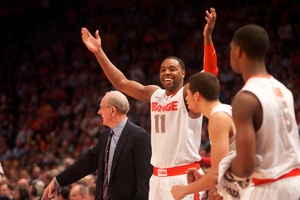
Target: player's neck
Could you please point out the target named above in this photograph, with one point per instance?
(208, 106)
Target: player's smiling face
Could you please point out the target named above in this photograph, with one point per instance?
(171, 75)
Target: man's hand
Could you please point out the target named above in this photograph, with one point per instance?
(51, 190)
(178, 192)
(91, 42)
(192, 175)
(210, 22)
(209, 27)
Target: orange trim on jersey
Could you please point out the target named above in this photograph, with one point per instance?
(172, 95)
(173, 171)
(294, 172)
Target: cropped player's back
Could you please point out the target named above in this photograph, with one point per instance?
(277, 140)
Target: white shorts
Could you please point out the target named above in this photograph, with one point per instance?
(287, 188)
(160, 187)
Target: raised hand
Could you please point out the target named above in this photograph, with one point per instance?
(91, 42)
(210, 18)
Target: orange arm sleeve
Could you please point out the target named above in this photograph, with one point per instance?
(210, 60)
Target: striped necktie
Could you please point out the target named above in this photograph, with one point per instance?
(105, 179)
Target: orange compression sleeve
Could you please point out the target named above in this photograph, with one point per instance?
(210, 60)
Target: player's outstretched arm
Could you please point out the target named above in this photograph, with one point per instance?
(115, 76)
(210, 56)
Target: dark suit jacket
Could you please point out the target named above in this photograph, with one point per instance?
(131, 168)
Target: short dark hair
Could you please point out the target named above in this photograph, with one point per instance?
(253, 40)
(181, 63)
(206, 84)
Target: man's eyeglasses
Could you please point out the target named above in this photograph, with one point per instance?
(104, 107)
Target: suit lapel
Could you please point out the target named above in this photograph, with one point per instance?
(102, 145)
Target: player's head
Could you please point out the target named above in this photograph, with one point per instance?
(202, 85)
(252, 40)
(172, 73)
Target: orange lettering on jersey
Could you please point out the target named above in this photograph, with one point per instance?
(278, 92)
(172, 106)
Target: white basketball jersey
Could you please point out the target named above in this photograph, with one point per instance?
(277, 140)
(175, 137)
(226, 109)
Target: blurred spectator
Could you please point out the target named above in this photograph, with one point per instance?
(5, 152)
(23, 182)
(90, 179)
(78, 192)
(36, 172)
(36, 189)
(21, 193)
(63, 193)
(19, 148)
(91, 192)
(6, 190)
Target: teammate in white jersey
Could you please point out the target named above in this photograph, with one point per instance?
(175, 131)
(203, 91)
(267, 139)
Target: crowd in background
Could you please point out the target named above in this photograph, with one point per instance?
(51, 85)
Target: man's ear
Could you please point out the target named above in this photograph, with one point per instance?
(183, 73)
(239, 51)
(197, 96)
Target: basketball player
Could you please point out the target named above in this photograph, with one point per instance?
(175, 131)
(203, 97)
(267, 139)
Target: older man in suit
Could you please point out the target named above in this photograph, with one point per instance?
(129, 167)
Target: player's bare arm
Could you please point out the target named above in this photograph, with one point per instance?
(115, 76)
(244, 107)
(219, 128)
(210, 57)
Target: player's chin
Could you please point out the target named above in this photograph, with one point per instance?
(168, 86)
(190, 108)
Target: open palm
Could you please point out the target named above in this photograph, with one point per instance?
(91, 42)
